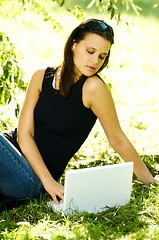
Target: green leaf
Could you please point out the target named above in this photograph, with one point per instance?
(91, 4)
(112, 13)
(61, 2)
(17, 110)
(156, 5)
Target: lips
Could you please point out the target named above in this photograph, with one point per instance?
(91, 68)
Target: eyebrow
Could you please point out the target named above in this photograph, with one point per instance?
(96, 49)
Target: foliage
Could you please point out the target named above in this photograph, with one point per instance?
(110, 6)
(40, 8)
(156, 4)
(78, 8)
(131, 75)
(10, 73)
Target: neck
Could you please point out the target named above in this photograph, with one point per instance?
(77, 75)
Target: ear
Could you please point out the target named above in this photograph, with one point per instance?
(73, 45)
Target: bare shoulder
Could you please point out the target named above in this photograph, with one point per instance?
(95, 84)
(37, 78)
(39, 74)
(95, 90)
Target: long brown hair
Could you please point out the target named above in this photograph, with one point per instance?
(67, 69)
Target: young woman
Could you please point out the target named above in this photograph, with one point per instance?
(59, 111)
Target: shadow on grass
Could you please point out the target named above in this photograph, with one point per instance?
(111, 224)
(114, 223)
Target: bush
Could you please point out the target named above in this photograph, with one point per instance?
(10, 73)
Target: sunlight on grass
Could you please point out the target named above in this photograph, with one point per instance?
(137, 220)
(133, 74)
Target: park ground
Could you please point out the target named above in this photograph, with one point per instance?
(133, 79)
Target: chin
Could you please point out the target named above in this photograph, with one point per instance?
(88, 75)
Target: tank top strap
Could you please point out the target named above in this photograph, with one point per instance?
(48, 77)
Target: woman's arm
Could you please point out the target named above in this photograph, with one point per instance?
(97, 96)
(26, 137)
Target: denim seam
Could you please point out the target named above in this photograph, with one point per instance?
(16, 162)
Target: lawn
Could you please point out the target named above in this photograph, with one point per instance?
(133, 78)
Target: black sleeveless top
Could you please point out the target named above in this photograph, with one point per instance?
(61, 124)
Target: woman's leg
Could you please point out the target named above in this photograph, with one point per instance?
(17, 179)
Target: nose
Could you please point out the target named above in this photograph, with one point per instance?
(95, 59)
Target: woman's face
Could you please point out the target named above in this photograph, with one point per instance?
(89, 54)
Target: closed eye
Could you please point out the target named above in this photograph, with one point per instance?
(101, 57)
(90, 52)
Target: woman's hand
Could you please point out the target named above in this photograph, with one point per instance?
(54, 189)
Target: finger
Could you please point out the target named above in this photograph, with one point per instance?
(62, 191)
(61, 195)
(55, 199)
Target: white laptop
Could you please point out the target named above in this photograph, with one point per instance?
(96, 189)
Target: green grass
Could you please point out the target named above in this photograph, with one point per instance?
(136, 220)
(133, 74)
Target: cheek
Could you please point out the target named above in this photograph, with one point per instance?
(76, 55)
(101, 65)
(78, 58)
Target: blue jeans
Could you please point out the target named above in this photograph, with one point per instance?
(17, 179)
